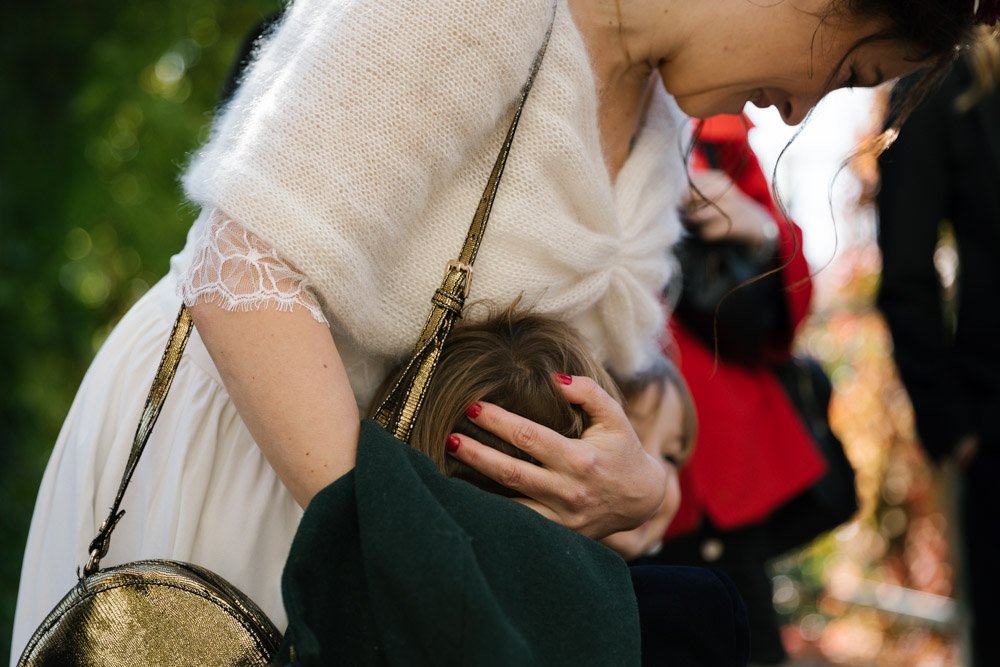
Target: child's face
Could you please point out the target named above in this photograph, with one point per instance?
(657, 415)
(658, 419)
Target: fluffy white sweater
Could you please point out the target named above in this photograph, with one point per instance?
(361, 138)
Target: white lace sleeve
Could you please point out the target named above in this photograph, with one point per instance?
(236, 270)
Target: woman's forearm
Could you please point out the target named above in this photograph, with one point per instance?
(287, 381)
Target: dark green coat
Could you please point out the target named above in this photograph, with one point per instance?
(396, 564)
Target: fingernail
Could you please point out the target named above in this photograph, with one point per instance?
(562, 378)
(453, 443)
(473, 410)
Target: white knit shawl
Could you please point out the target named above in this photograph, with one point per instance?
(360, 141)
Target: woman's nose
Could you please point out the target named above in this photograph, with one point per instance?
(794, 111)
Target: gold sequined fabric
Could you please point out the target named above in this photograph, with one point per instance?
(153, 612)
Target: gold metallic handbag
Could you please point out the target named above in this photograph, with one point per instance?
(151, 612)
(172, 614)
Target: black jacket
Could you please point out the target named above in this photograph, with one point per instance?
(945, 166)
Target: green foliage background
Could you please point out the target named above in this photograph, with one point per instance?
(100, 103)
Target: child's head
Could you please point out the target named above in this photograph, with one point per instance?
(509, 359)
(661, 410)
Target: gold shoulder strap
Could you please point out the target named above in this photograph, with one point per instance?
(150, 412)
(399, 410)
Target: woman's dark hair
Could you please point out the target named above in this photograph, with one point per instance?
(935, 31)
(245, 55)
(933, 28)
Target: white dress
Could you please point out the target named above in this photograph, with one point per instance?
(575, 244)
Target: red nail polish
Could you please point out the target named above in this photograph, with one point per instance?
(473, 410)
(563, 378)
(453, 443)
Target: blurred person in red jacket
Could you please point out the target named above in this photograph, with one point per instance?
(753, 454)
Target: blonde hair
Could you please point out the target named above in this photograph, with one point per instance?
(508, 359)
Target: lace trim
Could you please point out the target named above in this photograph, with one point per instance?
(236, 270)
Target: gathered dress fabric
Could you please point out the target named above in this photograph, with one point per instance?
(341, 177)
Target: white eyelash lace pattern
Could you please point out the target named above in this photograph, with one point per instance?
(236, 270)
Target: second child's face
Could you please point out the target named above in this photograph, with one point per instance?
(657, 415)
(658, 419)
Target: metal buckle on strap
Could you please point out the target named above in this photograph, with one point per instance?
(461, 267)
(93, 564)
(99, 545)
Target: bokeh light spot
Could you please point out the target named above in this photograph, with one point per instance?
(78, 244)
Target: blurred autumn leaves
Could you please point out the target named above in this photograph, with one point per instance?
(878, 591)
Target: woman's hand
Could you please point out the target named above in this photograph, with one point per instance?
(601, 484)
(647, 538)
(638, 542)
(720, 211)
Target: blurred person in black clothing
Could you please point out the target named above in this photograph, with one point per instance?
(945, 169)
